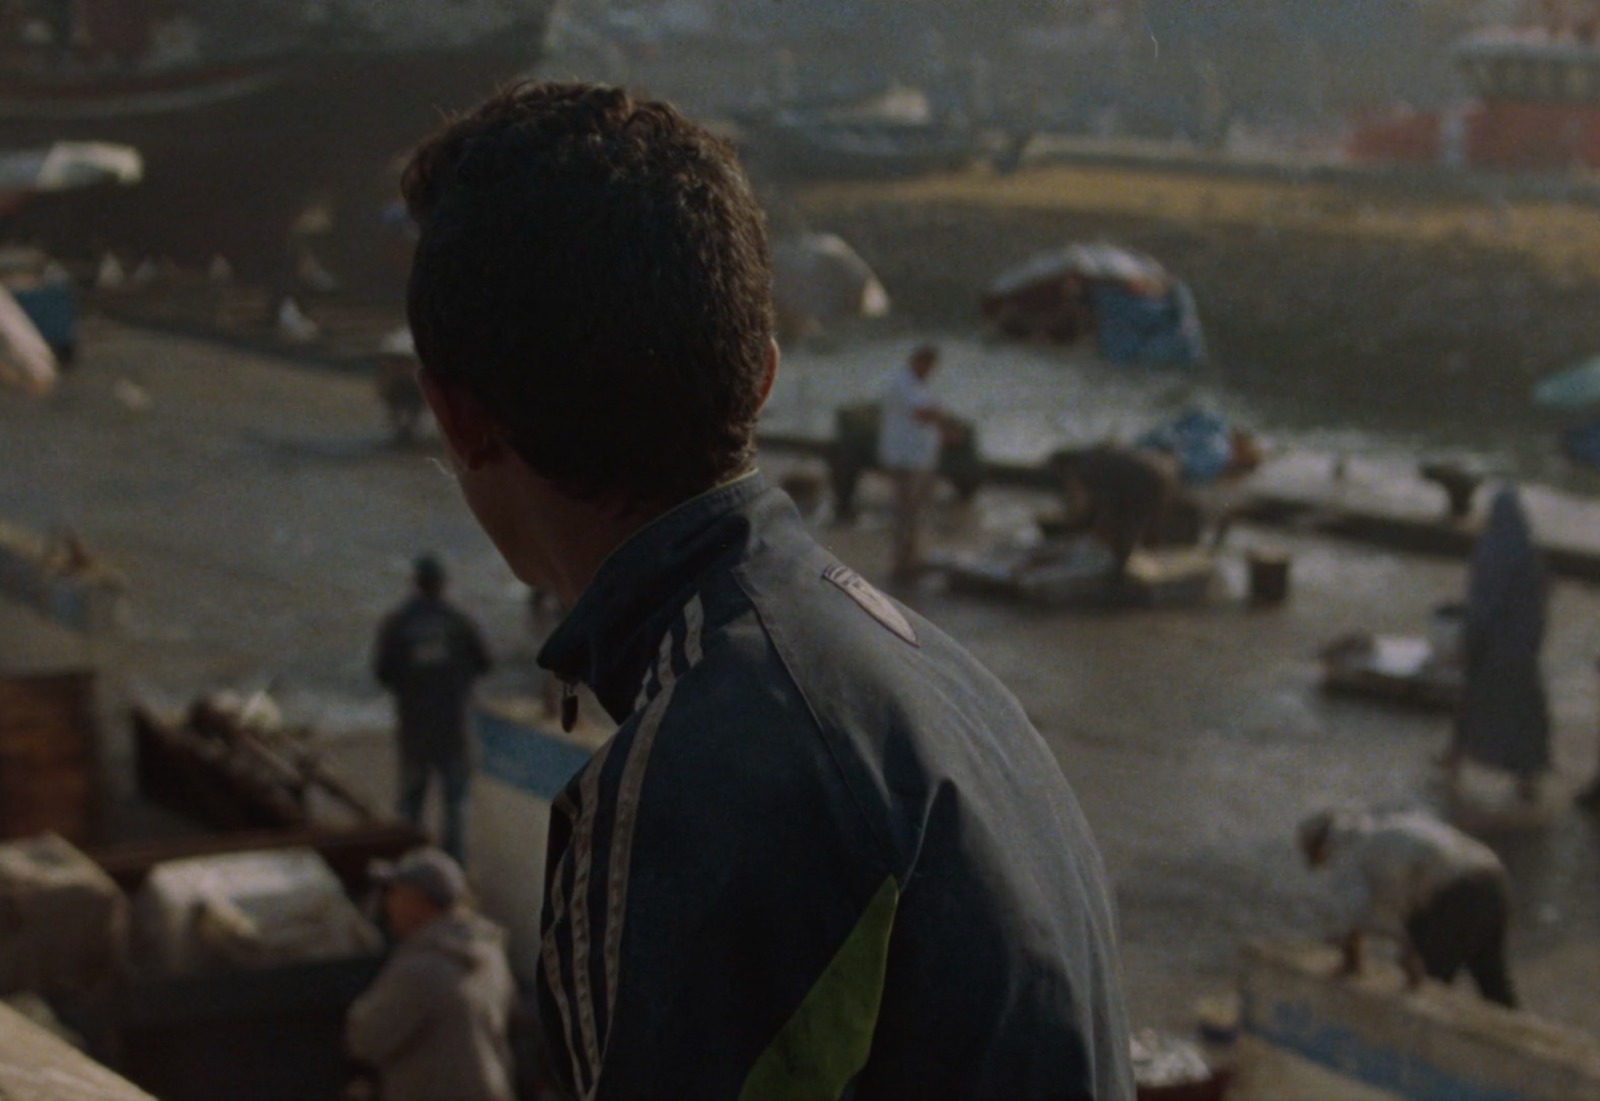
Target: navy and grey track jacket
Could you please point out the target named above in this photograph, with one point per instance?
(825, 855)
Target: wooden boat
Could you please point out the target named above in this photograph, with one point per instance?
(241, 132)
(819, 148)
(217, 768)
(1077, 572)
(891, 134)
(68, 94)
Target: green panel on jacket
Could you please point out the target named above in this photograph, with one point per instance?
(826, 1043)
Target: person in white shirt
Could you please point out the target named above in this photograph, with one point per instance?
(1444, 896)
(909, 437)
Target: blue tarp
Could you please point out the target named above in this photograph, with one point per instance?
(1153, 329)
(1202, 442)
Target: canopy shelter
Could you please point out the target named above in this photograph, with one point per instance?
(1136, 311)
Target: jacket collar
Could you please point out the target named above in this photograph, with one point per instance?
(611, 636)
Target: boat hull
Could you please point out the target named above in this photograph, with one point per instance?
(230, 162)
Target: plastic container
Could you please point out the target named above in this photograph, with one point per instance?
(246, 910)
(1269, 575)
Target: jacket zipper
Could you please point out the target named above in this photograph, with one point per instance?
(569, 705)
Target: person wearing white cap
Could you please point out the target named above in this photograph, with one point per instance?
(434, 1023)
(1443, 896)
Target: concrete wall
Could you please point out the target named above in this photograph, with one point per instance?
(1434, 1044)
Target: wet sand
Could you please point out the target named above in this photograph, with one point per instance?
(264, 522)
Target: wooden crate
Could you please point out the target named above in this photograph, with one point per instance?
(48, 754)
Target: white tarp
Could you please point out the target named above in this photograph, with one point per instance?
(70, 164)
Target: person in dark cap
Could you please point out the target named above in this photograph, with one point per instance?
(1443, 896)
(434, 1023)
(428, 654)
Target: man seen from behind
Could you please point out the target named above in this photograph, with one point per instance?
(428, 654)
(824, 854)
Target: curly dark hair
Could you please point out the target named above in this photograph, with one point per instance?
(594, 269)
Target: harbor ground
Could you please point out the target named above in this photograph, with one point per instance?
(263, 521)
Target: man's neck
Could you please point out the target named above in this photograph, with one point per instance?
(592, 553)
(606, 529)
(583, 536)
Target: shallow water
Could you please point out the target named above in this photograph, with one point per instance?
(1030, 399)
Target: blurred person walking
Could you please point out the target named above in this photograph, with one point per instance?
(1504, 721)
(910, 434)
(1443, 896)
(435, 1022)
(428, 654)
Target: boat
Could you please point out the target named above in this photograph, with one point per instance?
(889, 135)
(811, 148)
(226, 766)
(247, 112)
(1538, 99)
(1533, 105)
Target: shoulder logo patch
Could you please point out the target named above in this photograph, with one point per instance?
(874, 603)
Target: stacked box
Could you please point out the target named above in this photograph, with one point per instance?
(47, 754)
(63, 921)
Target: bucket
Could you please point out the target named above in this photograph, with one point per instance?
(1269, 576)
(1447, 629)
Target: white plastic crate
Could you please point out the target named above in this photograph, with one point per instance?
(243, 910)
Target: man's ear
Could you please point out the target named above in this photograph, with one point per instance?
(771, 376)
(468, 429)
